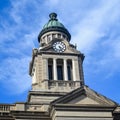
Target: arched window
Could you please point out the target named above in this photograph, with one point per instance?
(60, 69)
(69, 69)
(48, 38)
(59, 35)
(53, 36)
(50, 69)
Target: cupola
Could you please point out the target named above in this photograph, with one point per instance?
(53, 29)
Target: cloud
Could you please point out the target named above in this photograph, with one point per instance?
(18, 38)
(13, 75)
(97, 35)
(94, 26)
(18, 35)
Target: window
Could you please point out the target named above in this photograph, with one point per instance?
(60, 69)
(60, 72)
(48, 38)
(59, 35)
(69, 69)
(50, 72)
(64, 37)
(53, 35)
(50, 69)
(43, 38)
(69, 72)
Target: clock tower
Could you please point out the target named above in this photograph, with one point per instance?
(58, 90)
(56, 65)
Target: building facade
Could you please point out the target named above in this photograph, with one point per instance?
(58, 89)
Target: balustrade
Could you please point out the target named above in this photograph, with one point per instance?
(5, 107)
(67, 84)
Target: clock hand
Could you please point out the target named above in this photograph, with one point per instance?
(60, 47)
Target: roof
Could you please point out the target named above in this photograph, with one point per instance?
(53, 25)
(53, 22)
(84, 96)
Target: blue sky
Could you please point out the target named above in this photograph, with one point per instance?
(94, 25)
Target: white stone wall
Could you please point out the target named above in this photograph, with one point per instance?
(82, 115)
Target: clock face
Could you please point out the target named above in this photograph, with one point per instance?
(59, 46)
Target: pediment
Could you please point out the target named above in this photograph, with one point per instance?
(84, 96)
(83, 99)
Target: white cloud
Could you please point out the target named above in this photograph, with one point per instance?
(116, 48)
(90, 35)
(89, 21)
(17, 40)
(13, 75)
(95, 24)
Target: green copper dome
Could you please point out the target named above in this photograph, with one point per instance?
(53, 22)
(53, 25)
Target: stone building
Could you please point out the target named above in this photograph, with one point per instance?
(58, 89)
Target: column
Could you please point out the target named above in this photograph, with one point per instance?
(74, 72)
(65, 70)
(54, 69)
(46, 39)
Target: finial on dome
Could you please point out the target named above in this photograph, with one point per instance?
(53, 16)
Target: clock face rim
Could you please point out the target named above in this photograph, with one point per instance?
(59, 46)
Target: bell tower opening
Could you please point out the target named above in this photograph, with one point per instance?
(69, 69)
(60, 69)
(50, 69)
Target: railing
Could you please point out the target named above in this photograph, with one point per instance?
(66, 84)
(5, 107)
